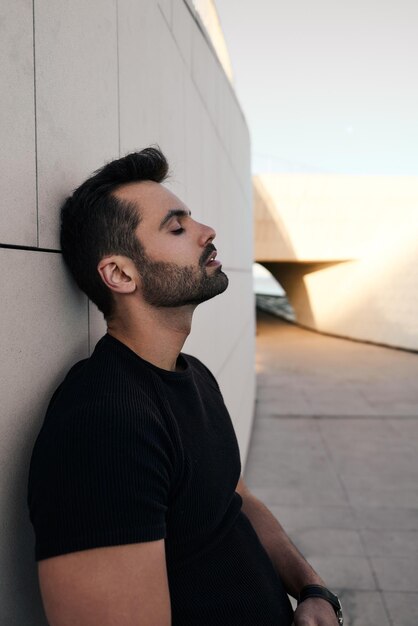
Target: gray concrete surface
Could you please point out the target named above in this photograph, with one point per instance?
(85, 82)
(334, 454)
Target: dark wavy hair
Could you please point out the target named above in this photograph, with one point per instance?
(95, 223)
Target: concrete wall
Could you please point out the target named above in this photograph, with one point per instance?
(345, 250)
(82, 83)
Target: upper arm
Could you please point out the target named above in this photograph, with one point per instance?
(125, 585)
(99, 479)
(242, 488)
(248, 498)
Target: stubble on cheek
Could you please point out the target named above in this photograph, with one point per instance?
(169, 285)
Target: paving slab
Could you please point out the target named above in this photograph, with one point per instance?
(364, 608)
(391, 543)
(402, 608)
(348, 572)
(396, 573)
(303, 517)
(315, 542)
(385, 518)
(334, 454)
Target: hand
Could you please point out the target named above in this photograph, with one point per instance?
(315, 612)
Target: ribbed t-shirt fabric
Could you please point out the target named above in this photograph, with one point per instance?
(129, 452)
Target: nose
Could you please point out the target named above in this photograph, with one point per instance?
(207, 235)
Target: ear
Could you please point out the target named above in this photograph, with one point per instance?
(118, 274)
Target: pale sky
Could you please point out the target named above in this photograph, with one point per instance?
(326, 85)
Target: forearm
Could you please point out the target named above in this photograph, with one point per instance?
(290, 565)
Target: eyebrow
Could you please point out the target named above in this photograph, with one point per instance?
(174, 213)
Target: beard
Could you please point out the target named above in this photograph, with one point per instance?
(170, 285)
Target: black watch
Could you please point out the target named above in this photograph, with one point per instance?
(317, 591)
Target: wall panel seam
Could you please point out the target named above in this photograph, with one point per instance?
(235, 345)
(118, 70)
(164, 17)
(11, 246)
(35, 125)
(202, 99)
(206, 37)
(221, 142)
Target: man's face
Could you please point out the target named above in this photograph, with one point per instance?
(177, 265)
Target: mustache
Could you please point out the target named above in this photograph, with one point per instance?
(210, 249)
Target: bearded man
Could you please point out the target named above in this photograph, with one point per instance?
(140, 514)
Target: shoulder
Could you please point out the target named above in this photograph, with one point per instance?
(104, 398)
(201, 370)
(110, 378)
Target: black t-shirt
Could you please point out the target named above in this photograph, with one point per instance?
(129, 452)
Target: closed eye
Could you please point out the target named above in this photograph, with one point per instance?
(178, 231)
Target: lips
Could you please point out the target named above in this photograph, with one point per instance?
(207, 255)
(212, 257)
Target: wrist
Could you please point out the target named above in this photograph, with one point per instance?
(319, 591)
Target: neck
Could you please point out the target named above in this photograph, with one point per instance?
(157, 335)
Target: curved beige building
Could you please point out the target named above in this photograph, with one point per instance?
(345, 250)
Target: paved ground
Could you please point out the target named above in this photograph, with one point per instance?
(334, 454)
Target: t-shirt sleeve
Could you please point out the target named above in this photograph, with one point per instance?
(100, 479)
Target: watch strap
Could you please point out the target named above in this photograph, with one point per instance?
(318, 591)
